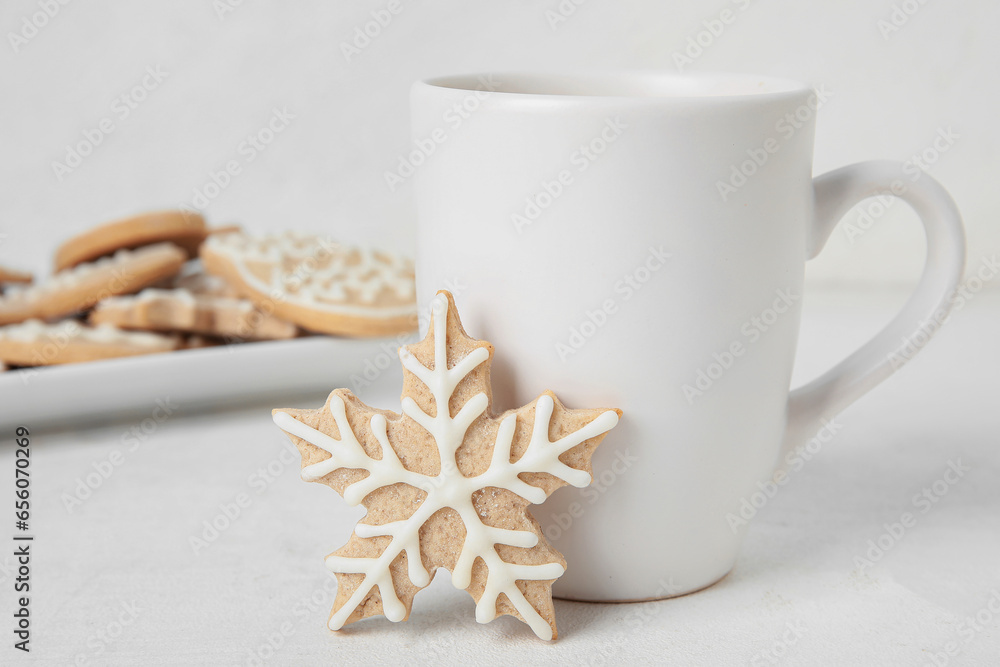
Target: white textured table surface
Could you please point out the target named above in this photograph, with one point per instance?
(116, 581)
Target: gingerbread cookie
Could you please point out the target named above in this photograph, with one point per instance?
(8, 276)
(196, 342)
(34, 343)
(447, 483)
(320, 285)
(181, 310)
(76, 289)
(194, 279)
(182, 228)
(225, 229)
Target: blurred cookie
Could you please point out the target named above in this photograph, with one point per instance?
(318, 284)
(196, 341)
(192, 277)
(34, 343)
(14, 276)
(182, 228)
(225, 229)
(181, 310)
(79, 288)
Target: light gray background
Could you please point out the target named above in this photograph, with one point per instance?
(228, 69)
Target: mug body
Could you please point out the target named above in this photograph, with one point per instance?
(632, 241)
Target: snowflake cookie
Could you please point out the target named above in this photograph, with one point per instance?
(447, 483)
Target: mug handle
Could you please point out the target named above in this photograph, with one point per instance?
(836, 192)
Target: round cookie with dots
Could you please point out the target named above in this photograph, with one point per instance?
(318, 284)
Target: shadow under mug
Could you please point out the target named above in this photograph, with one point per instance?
(639, 241)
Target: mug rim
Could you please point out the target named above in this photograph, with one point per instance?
(635, 85)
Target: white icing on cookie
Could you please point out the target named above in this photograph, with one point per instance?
(69, 279)
(449, 488)
(181, 297)
(316, 273)
(193, 279)
(36, 331)
(180, 310)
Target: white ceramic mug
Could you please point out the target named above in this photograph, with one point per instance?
(639, 241)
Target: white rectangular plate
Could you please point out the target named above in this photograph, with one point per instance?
(194, 380)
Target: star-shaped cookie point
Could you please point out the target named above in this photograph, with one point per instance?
(446, 483)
